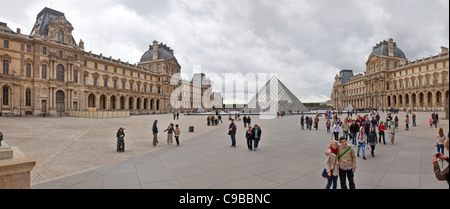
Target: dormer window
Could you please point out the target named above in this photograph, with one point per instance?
(61, 36)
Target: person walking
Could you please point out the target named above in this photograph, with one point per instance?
(169, 134)
(316, 122)
(177, 134)
(392, 130)
(155, 134)
(232, 132)
(249, 120)
(244, 119)
(302, 122)
(256, 131)
(120, 140)
(328, 124)
(354, 128)
(336, 130)
(249, 137)
(407, 122)
(345, 128)
(330, 165)
(396, 123)
(362, 138)
(372, 140)
(414, 120)
(381, 129)
(441, 139)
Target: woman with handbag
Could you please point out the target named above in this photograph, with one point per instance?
(330, 165)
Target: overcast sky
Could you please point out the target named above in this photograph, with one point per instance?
(306, 42)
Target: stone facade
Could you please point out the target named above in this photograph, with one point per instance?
(48, 72)
(390, 80)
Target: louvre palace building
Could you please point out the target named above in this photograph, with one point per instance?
(49, 72)
(392, 81)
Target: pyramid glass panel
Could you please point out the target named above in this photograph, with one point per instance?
(274, 97)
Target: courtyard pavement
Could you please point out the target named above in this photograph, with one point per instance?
(287, 158)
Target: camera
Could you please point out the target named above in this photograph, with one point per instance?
(437, 155)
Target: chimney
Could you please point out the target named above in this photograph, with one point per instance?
(444, 49)
(155, 50)
(391, 47)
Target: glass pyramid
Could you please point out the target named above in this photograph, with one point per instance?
(275, 97)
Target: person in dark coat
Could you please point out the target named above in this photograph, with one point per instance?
(302, 122)
(372, 140)
(249, 137)
(256, 132)
(155, 133)
(120, 140)
(232, 132)
(245, 121)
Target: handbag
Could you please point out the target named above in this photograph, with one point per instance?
(325, 173)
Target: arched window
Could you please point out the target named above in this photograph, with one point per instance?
(28, 97)
(60, 73)
(61, 36)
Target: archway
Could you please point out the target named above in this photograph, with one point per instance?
(112, 103)
(91, 100)
(157, 104)
(130, 103)
(122, 103)
(103, 102)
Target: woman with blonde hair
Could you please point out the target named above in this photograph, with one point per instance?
(331, 165)
(441, 140)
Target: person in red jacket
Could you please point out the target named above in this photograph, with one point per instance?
(381, 129)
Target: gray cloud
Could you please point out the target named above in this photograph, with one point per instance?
(306, 42)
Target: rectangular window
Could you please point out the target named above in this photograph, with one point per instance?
(28, 48)
(75, 76)
(105, 82)
(444, 64)
(5, 66)
(95, 65)
(106, 67)
(44, 72)
(44, 50)
(28, 70)
(115, 69)
(95, 80)
(123, 84)
(115, 84)
(6, 44)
